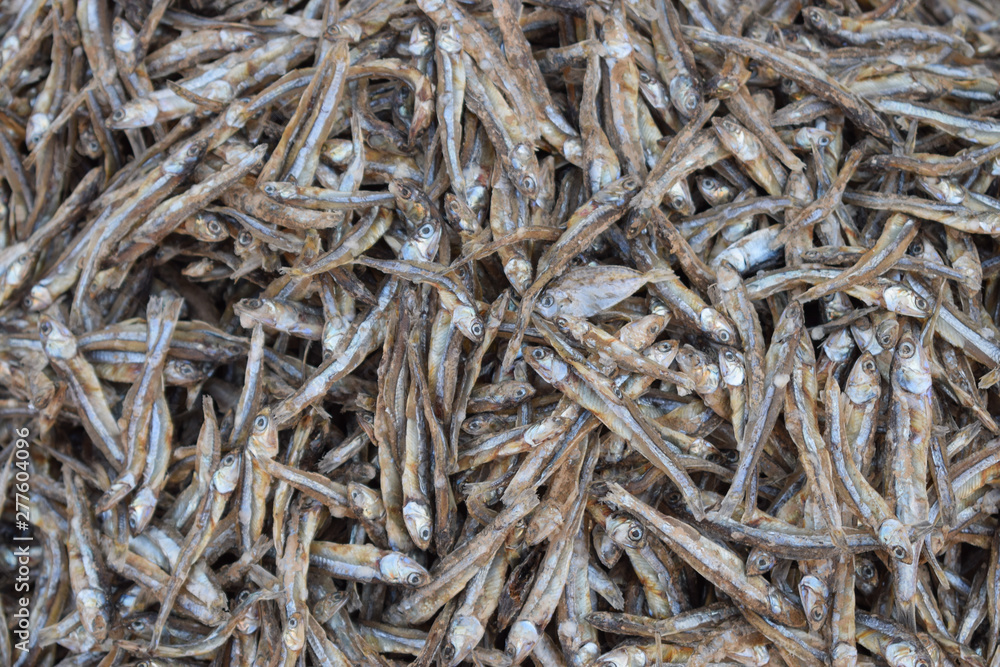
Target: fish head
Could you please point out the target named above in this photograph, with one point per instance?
(366, 501)
(760, 562)
(866, 577)
(228, 475)
(521, 640)
(864, 384)
(623, 656)
(864, 335)
(547, 305)
(468, 322)
(814, 594)
(944, 190)
(756, 655)
(397, 568)
(713, 190)
(732, 367)
(93, 607)
(664, 352)
(140, 112)
(892, 535)
(417, 519)
(887, 333)
(902, 653)
(294, 635)
(545, 362)
(17, 271)
(911, 367)
(34, 131)
(684, 94)
(626, 531)
(449, 39)
(140, 510)
(238, 40)
(263, 439)
(250, 621)
(839, 345)
(904, 301)
(821, 19)
(57, 340)
(464, 634)
(207, 227)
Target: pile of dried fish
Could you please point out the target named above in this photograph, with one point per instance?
(576, 333)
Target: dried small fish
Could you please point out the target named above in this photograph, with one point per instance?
(585, 334)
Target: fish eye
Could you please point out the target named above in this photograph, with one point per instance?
(293, 622)
(254, 303)
(867, 571)
(635, 533)
(270, 189)
(448, 651)
(724, 336)
(229, 460)
(521, 392)
(630, 183)
(917, 248)
(899, 552)
(906, 350)
(763, 562)
(817, 614)
(22, 259)
(885, 339)
(869, 366)
(547, 301)
(45, 328)
(405, 192)
(214, 227)
(643, 77)
(118, 115)
(691, 103)
(728, 354)
(562, 323)
(426, 231)
(920, 303)
(425, 533)
(528, 183)
(260, 423)
(732, 456)
(137, 625)
(476, 329)
(413, 579)
(617, 392)
(538, 353)
(244, 594)
(674, 497)
(823, 140)
(829, 297)
(245, 238)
